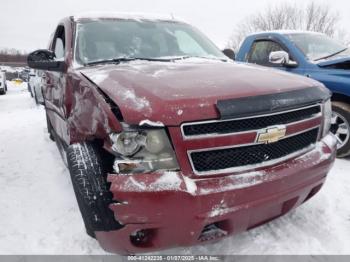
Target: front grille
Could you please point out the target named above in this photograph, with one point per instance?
(220, 159)
(241, 125)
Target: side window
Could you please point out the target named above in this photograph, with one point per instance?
(260, 51)
(59, 43)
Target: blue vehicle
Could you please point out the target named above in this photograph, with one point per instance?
(312, 55)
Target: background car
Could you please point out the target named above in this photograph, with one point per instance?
(3, 86)
(17, 81)
(35, 86)
(31, 79)
(24, 74)
(313, 55)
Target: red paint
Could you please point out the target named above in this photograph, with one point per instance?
(174, 214)
(184, 92)
(191, 87)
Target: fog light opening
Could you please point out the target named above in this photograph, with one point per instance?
(313, 192)
(211, 232)
(142, 238)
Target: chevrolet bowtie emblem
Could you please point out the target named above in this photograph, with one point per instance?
(271, 134)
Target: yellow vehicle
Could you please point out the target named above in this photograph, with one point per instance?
(17, 81)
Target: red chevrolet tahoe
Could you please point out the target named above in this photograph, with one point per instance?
(169, 142)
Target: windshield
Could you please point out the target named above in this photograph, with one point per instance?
(114, 39)
(317, 46)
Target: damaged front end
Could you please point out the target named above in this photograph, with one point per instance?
(165, 209)
(161, 202)
(142, 150)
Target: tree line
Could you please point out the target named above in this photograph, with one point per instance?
(310, 16)
(13, 56)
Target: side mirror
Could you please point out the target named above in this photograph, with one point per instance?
(281, 58)
(45, 60)
(229, 53)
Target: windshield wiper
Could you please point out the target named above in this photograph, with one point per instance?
(328, 56)
(125, 59)
(165, 59)
(202, 57)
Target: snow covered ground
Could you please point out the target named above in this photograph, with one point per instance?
(39, 213)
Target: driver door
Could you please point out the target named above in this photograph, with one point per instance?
(54, 83)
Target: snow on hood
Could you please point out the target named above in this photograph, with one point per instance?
(175, 92)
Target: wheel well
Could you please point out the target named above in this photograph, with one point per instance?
(341, 98)
(106, 157)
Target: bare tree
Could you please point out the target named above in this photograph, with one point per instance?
(310, 17)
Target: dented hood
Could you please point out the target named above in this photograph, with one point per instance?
(177, 92)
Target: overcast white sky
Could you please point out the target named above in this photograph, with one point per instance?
(27, 24)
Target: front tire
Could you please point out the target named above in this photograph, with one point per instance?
(341, 127)
(88, 175)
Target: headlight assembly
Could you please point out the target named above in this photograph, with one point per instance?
(327, 117)
(143, 151)
(127, 143)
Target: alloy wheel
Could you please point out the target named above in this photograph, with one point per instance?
(340, 128)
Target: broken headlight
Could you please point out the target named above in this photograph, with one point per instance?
(127, 143)
(143, 151)
(327, 117)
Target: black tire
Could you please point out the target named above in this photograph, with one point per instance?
(342, 110)
(88, 175)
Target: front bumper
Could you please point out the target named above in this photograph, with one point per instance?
(174, 210)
